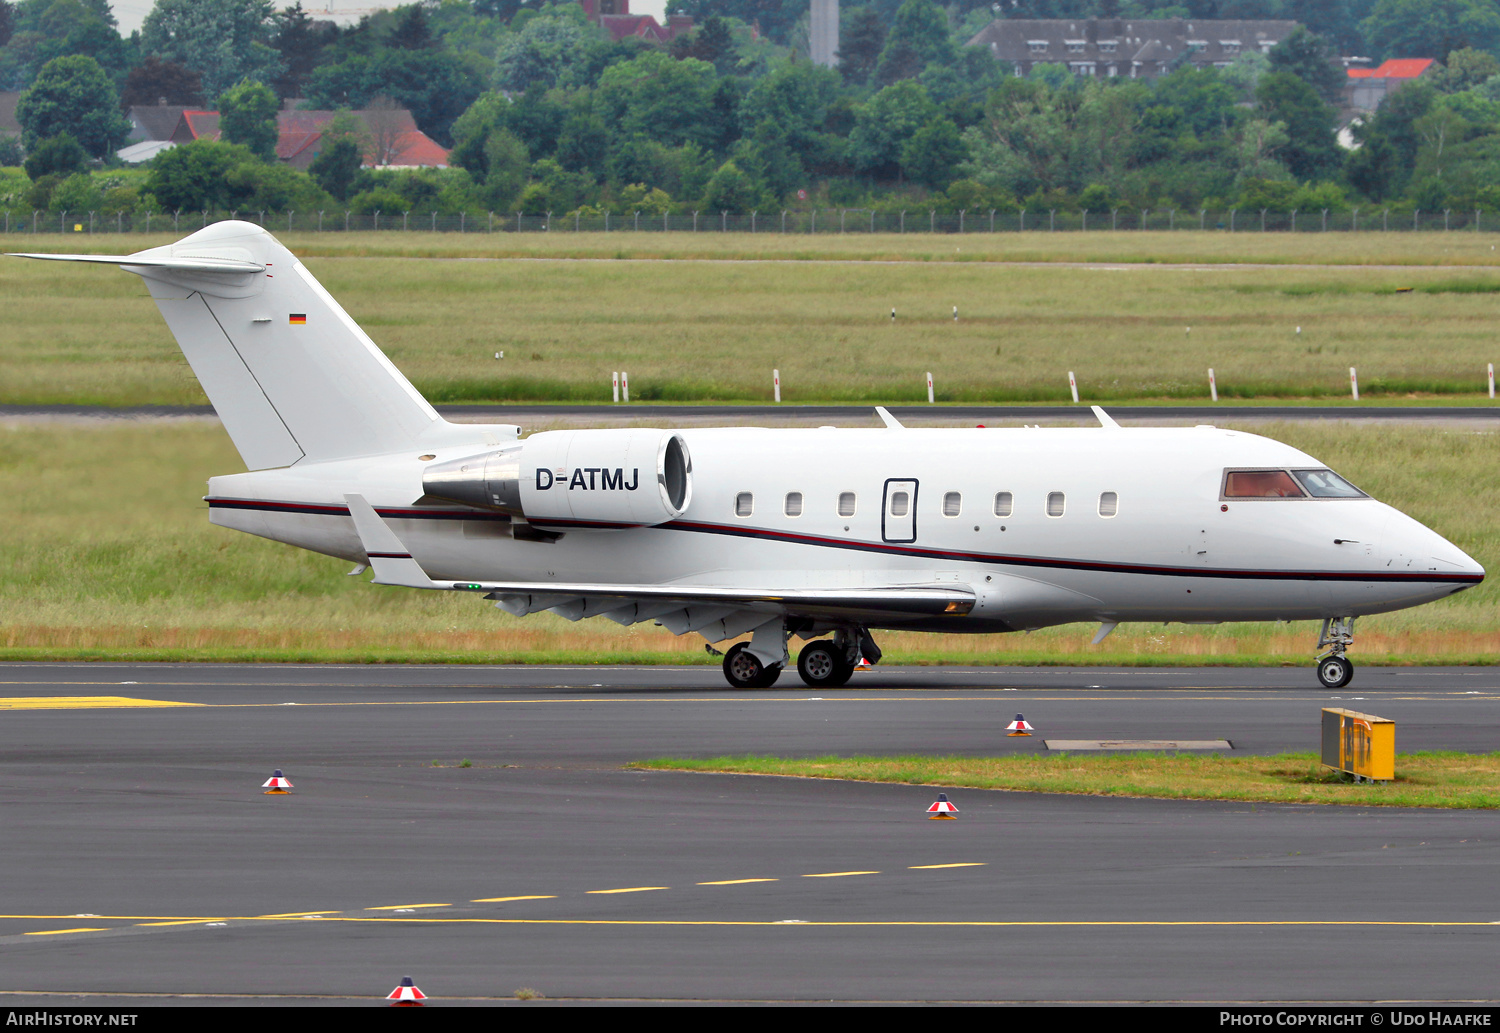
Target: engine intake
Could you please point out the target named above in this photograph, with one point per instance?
(601, 478)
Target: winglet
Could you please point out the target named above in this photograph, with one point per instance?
(891, 423)
(388, 555)
(1105, 420)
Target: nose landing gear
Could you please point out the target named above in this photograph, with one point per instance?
(1334, 668)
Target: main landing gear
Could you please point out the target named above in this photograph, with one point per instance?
(744, 670)
(1334, 668)
(830, 663)
(826, 663)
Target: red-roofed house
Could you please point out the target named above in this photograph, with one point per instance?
(393, 139)
(1368, 87)
(615, 17)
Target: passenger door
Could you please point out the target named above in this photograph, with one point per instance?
(898, 514)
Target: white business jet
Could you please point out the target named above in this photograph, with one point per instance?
(819, 534)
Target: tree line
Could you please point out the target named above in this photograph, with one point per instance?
(545, 113)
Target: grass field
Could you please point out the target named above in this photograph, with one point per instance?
(713, 330)
(109, 554)
(1211, 247)
(1449, 780)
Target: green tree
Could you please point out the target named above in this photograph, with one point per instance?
(1381, 167)
(543, 52)
(1431, 28)
(653, 96)
(919, 37)
(1464, 70)
(1312, 149)
(731, 190)
(932, 154)
(194, 176)
(73, 95)
(1312, 59)
(583, 144)
(508, 164)
(224, 41)
(336, 166)
(861, 39)
(412, 31)
(61, 155)
(797, 97)
(247, 115)
(301, 43)
(884, 125)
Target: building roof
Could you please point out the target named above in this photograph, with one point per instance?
(1128, 46)
(154, 121)
(196, 125)
(1395, 68)
(143, 151)
(394, 132)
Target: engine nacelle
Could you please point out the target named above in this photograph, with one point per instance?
(598, 478)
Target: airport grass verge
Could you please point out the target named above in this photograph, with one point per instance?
(1447, 779)
(553, 331)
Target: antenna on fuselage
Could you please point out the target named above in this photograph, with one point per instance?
(1105, 419)
(891, 423)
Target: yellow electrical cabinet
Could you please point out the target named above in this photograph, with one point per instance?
(1361, 745)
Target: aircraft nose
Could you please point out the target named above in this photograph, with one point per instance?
(1413, 548)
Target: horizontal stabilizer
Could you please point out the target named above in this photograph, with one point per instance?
(180, 265)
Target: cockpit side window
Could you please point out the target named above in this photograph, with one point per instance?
(1260, 484)
(1325, 484)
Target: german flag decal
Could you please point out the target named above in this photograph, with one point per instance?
(297, 318)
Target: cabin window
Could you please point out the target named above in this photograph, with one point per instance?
(900, 503)
(1109, 503)
(1056, 501)
(1325, 484)
(793, 507)
(846, 503)
(1004, 503)
(744, 504)
(1260, 484)
(953, 504)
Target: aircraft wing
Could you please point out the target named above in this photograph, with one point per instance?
(716, 612)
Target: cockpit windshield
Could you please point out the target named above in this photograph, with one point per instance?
(1325, 484)
(1260, 484)
(1288, 484)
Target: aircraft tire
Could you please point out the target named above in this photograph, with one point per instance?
(1334, 672)
(744, 671)
(821, 665)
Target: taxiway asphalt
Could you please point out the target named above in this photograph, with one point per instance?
(141, 857)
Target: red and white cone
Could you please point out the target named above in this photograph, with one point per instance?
(407, 995)
(863, 665)
(942, 809)
(277, 783)
(1020, 726)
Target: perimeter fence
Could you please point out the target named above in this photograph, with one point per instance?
(804, 221)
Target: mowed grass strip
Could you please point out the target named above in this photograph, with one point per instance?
(1429, 779)
(109, 554)
(713, 331)
(1365, 248)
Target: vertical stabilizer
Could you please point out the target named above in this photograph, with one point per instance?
(290, 374)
